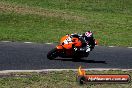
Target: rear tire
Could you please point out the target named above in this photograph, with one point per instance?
(52, 54)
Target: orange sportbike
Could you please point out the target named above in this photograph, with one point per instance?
(66, 48)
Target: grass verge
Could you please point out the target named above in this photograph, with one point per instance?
(63, 79)
(46, 21)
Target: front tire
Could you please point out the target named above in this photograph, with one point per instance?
(52, 54)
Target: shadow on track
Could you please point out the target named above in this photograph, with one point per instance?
(82, 60)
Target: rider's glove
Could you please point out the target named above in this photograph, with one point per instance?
(75, 49)
(88, 48)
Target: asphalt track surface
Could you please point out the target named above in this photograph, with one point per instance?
(21, 56)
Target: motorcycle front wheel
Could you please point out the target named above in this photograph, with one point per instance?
(52, 54)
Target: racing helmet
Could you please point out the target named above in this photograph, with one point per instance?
(89, 34)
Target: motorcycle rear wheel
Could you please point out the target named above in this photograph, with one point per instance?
(52, 54)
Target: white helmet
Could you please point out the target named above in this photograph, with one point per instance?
(88, 34)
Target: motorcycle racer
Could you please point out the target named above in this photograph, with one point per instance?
(87, 39)
(73, 46)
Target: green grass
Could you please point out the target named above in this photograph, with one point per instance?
(108, 6)
(63, 79)
(110, 20)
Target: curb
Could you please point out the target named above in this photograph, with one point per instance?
(50, 70)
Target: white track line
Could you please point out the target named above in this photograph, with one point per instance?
(5, 41)
(53, 43)
(111, 46)
(129, 47)
(48, 43)
(28, 42)
(44, 70)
